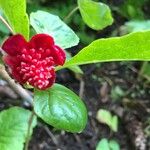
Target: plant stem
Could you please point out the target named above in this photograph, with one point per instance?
(17, 88)
(28, 131)
(71, 13)
(6, 24)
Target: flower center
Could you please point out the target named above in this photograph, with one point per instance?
(36, 67)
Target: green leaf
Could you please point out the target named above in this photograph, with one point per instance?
(105, 116)
(117, 92)
(134, 46)
(61, 108)
(14, 127)
(44, 22)
(145, 71)
(95, 14)
(75, 69)
(137, 25)
(15, 11)
(114, 145)
(103, 145)
(114, 123)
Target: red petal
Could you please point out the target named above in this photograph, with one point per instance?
(41, 41)
(59, 55)
(11, 61)
(14, 44)
(17, 77)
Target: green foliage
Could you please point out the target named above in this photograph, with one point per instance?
(104, 116)
(15, 11)
(114, 145)
(117, 93)
(44, 22)
(137, 25)
(132, 9)
(76, 68)
(14, 127)
(95, 14)
(3, 28)
(104, 144)
(62, 10)
(134, 46)
(61, 108)
(145, 71)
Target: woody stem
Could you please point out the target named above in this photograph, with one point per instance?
(17, 88)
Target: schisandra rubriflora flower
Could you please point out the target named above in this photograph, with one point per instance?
(33, 62)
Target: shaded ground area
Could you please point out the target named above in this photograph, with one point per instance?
(100, 82)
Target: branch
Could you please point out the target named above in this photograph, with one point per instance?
(17, 88)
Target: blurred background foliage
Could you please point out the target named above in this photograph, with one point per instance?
(122, 10)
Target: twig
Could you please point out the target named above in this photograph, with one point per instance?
(6, 24)
(78, 139)
(28, 131)
(51, 135)
(81, 92)
(17, 88)
(71, 13)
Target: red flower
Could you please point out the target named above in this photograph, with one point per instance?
(33, 62)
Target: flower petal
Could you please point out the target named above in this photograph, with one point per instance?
(14, 44)
(11, 61)
(59, 55)
(41, 41)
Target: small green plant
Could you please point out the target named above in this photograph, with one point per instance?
(105, 144)
(104, 116)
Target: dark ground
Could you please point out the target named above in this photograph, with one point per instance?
(133, 108)
(99, 81)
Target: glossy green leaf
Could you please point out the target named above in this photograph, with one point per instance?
(95, 14)
(61, 108)
(14, 127)
(75, 69)
(44, 22)
(15, 12)
(103, 145)
(134, 46)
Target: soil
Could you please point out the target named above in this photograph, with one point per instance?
(133, 108)
(95, 78)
